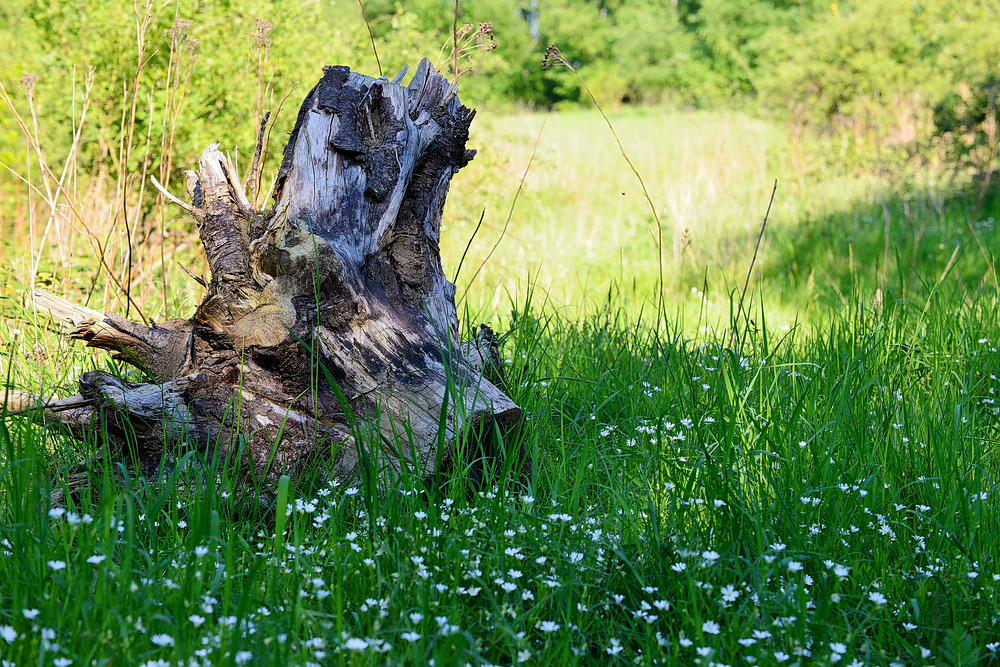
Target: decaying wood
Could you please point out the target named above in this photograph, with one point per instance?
(328, 311)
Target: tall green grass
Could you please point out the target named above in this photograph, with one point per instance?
(807, 480)
(821, 495)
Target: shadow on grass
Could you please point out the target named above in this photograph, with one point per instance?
(874, 253)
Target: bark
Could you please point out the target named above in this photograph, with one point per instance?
(328, 326)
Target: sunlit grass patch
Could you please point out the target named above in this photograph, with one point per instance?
(826, 496)
(581, 233)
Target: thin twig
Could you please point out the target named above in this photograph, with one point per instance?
(163, 191)
(267, 139)
(454, 38)
(469, 245)
(198, 279)
(47, 172)
(746, 284)
(371, 35)
(251, 183)
(991, 130)
(128, 146)
(554, 54)
(509, 215)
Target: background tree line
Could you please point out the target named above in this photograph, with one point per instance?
(899, 65)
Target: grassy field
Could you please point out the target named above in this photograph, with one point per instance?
(581, 226)
(810, 482)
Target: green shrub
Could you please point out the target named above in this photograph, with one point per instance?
(968, 121)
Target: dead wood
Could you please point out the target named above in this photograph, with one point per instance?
(328, 311)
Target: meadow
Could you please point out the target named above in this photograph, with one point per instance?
(808, 478)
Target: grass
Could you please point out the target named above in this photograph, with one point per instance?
(824, 496)
(818, 489)
(581, 227)
(585, 208)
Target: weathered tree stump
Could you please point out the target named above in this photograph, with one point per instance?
(330, 310)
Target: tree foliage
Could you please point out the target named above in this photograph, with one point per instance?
(814, 59)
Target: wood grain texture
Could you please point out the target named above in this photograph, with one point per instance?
(329, 311)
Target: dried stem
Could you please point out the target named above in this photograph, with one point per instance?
(371, 35)
(510, 213)
(49, 177)
(553, 55)
(746, 283)
(251, 183)
(184, 205)
(468, 245)
(454, 38)
(464, 42)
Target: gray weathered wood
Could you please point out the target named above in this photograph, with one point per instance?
(335, 295)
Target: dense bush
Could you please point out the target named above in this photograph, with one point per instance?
(206, 63)
(217, 64)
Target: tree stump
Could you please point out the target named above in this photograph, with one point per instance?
(329, 312)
